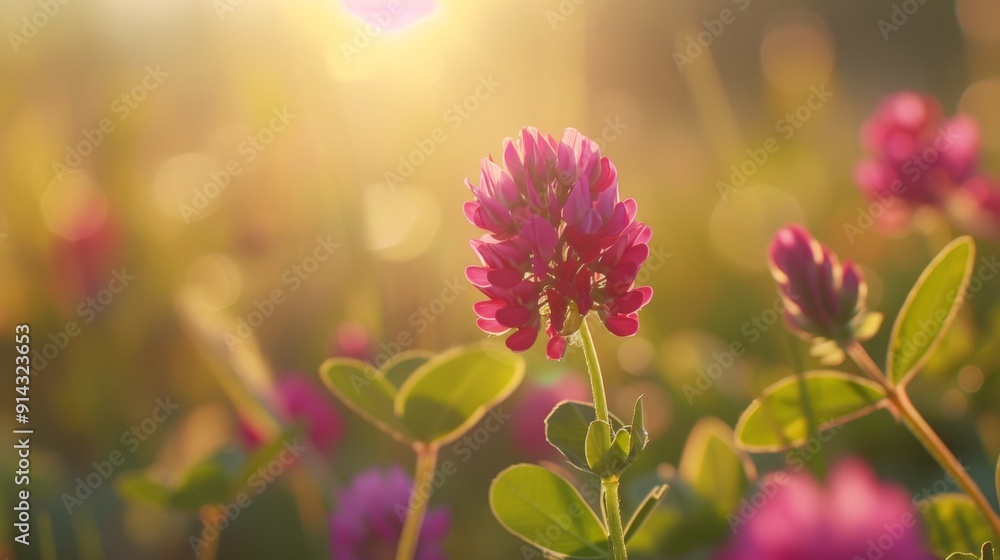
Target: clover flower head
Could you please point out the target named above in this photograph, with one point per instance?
(559, 242)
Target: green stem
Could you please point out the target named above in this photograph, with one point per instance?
(903, 408)
(594, 369)
(422, 486)
(612, 509)
(612, 505)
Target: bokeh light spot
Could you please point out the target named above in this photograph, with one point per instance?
(741, 226)
(184, 189)
(390, 15)
(970, 379)
(400, 223)
(218, 279)
(635, 355)
(797, 52)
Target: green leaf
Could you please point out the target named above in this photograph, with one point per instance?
(789, 411)
(265, 454)
(929, 309)
(545, 510)
(365, 391)
(208, 483)
(955, 524)
(566, 429)
(645, 510)
(713, 466)
(986, 554)
(449, 394)
(401, 366)
(598, 445)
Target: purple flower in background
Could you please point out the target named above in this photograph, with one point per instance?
(855, 516)
(535, 404)
(391, 15)
(919, 158)
(822, 297)
(301, 400)
(368, 521)
(560, 243)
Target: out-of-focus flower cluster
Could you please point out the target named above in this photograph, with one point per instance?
(301, 400)
(855, 516)
(368, 521)
(917, 158)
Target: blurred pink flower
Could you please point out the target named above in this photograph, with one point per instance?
(301, 400)
(368, 521)
(535, 404)
(351, 341)
(822, 297)
(391, 15)
(558, 237)
(855, 516)
(919, 158)
(88, 259)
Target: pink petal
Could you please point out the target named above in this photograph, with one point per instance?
(504, 277)
(523, 339)
(513, 316)
(632, 301)
(477, 275)
(488, 309)
(556, 348)
(491, 326)
(620, 325)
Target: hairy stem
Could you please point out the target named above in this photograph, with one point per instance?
(612, 506)
(903, 408)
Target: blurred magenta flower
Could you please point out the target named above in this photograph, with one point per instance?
(559, 242)
(368, 521)
(919, 158)
(301, 400)
(535, 404)
(89, 256)
(391, 15)
(351, 340)
(855, 516)
(822, 297)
